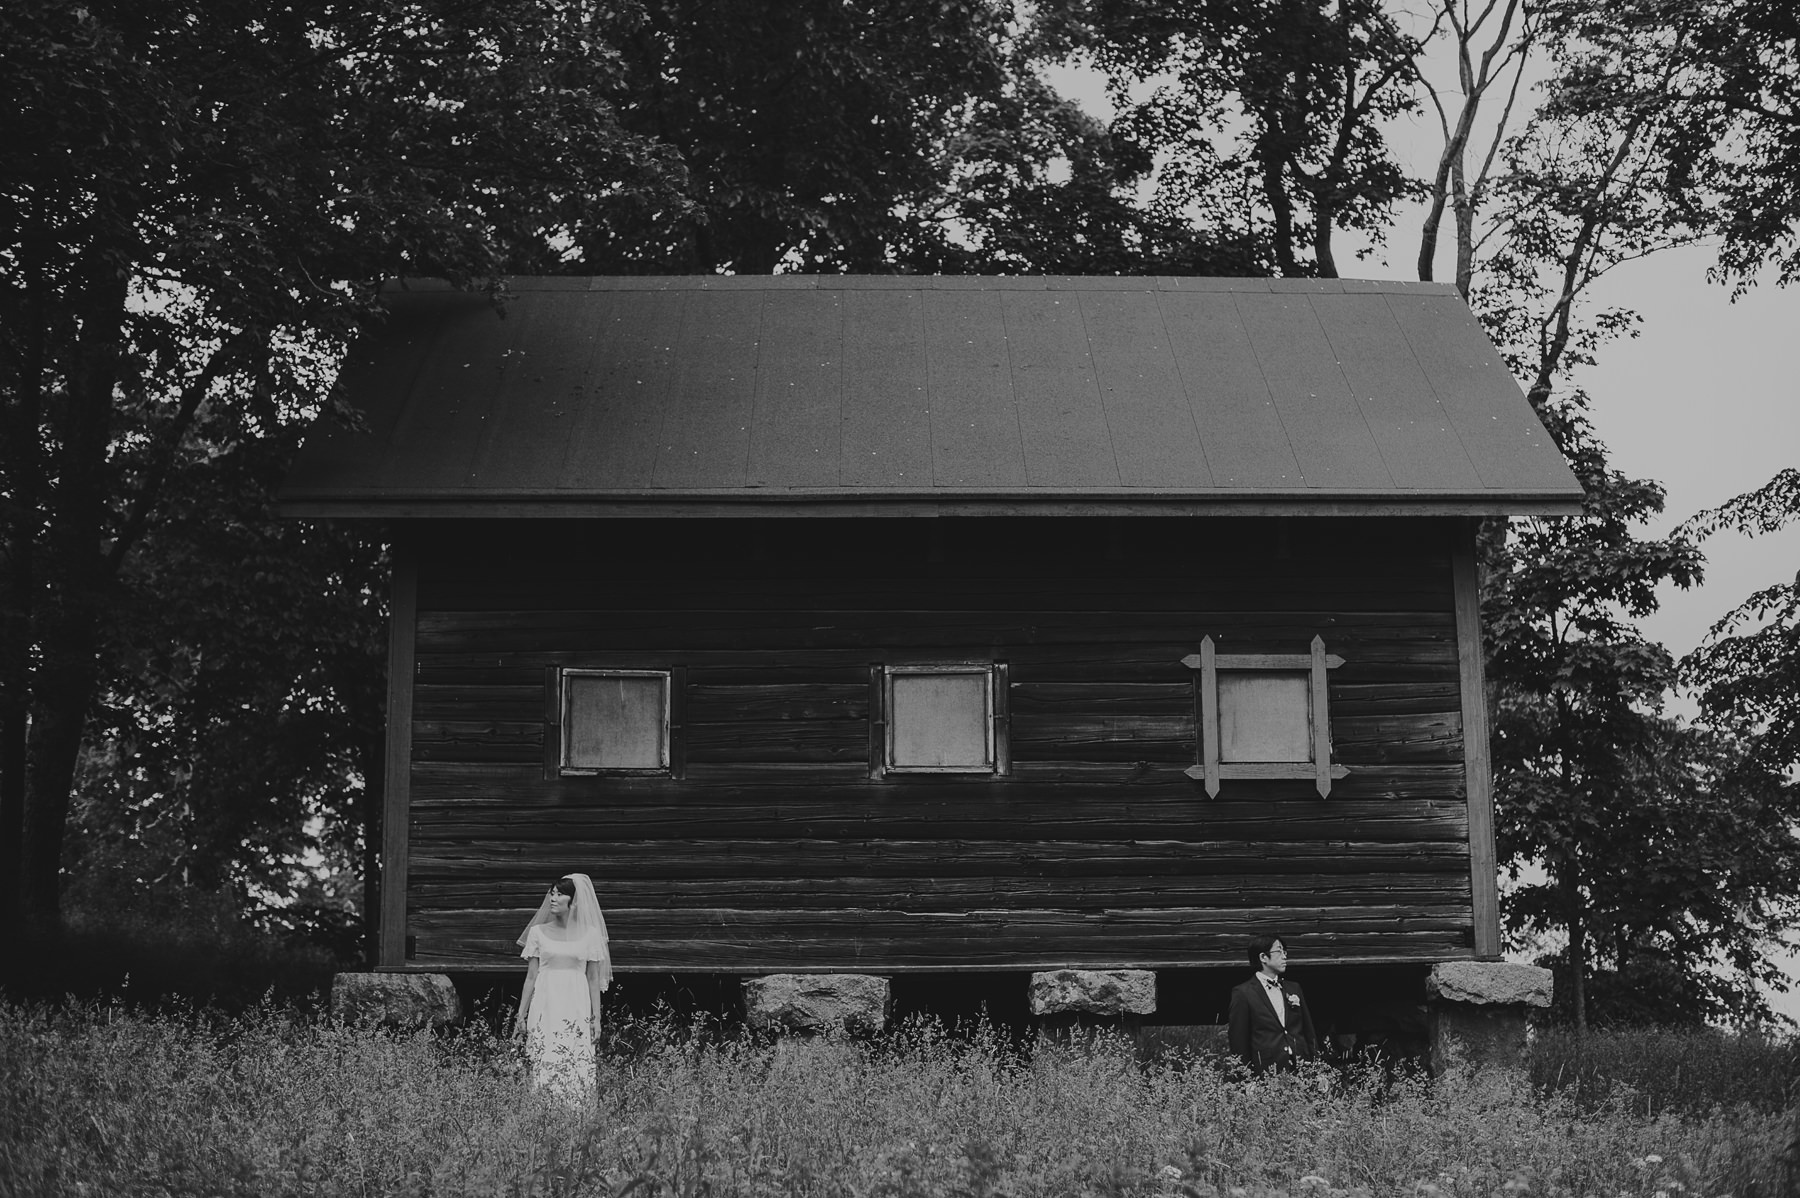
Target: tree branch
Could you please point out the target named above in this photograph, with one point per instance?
(168, 443)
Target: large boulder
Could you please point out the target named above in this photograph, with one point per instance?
(818, 1002)
(1109, 992)
(407, 1001)
(1489, 983)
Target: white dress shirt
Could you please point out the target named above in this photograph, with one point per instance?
(1276, 998)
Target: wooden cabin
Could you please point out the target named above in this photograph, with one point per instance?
(890, 624)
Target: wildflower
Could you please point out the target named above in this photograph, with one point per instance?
(1169, 1173)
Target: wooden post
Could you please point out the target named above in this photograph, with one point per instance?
(1483, 873)
(678, 722)
(1002, 708)
(1209, 715)
(402, 657)
(1321, 722)
(877, 721)
(553, 736)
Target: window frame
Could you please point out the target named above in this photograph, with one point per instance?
(995, 718)
(1315, 664)
(565, 769)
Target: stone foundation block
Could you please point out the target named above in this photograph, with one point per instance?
(818, 1002)
(407, 1001)
(1489, 983)
(1476, 1011)
(1111, 992)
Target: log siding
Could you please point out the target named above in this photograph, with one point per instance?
(772, 848)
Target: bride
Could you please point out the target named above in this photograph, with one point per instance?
(559, 1010)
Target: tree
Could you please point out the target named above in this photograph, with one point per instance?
(912, 136)
(1265, 116)
(236, 739)
(810, 130)
(1038, 186)
(197, 208)
(1454, 186)
(1733, 158)
(1747, 671)
(1666, 854)
(196, 202)
(1577, 739)
(1700, 888)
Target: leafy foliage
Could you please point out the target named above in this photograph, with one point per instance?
(1264, 117)
(1666, 858)
(1612, 801)
(1748, 669)
(197, 201)
(1580, 195)
(914, 136)
(812, 133)
(1734, 156)
(1663, 856)
(238, 722)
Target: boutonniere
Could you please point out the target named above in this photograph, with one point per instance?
(1293, 1000)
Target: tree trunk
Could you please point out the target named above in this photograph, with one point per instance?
(1578, 955)
(68, 618)
(65, 685)
(1465, 236)
(1449, 187)
(374, 767)
(15, 681)
(1324, 215)
(21, 469)
(1281, 206)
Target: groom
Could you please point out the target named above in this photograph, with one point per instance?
(1271, 1025)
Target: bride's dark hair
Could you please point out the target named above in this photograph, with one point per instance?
(565, 886)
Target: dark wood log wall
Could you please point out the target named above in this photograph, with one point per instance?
(773, 849)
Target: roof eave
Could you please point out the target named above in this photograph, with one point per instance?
(672, 504)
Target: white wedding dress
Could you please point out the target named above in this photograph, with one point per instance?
(558, 1044)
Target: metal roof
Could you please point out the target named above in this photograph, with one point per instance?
(825, 395)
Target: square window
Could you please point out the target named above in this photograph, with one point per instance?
(940, 719)
(1265, 716)
(615, 721)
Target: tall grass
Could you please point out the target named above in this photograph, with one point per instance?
(148, 960)
(1655, 1070)
(100, 1100)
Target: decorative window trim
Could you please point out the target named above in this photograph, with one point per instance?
(997, 719)
(1315, 665)
(557, 738)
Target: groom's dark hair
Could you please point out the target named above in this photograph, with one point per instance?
(1260, 946)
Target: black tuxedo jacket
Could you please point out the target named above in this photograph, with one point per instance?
(1259, 1039)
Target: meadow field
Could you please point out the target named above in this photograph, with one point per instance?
(100, 1099)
